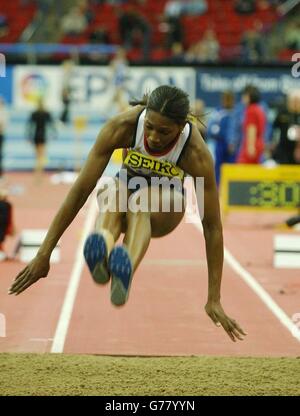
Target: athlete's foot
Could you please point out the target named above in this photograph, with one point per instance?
(96, 254)
(121, 270)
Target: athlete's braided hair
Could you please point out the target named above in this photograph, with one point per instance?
(169, 101)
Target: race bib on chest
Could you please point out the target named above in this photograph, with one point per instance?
(147, 165)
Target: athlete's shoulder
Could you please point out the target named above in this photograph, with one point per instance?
(196, 154)
(118, 130)
(196, 145)
(128, 118)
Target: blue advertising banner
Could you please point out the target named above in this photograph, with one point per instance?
(272, 83)
(92, 87)
(6, 84)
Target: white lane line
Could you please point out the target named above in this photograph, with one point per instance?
(254, 285)
(67, 308)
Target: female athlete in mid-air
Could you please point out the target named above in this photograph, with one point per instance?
(159, 142)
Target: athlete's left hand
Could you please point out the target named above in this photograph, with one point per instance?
(35, 270)
(215, 311)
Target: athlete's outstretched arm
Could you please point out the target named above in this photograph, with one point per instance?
(109, 138)
(198, 162)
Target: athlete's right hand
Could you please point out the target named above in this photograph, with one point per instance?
(36, 269)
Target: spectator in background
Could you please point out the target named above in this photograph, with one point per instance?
(235, 127)
(198, 116)
(205, 50)
(171, 24)
(39, 122)
(66, 100)
(286, 128)
(252, 49)
(134, 29)
(254, 126)
(218, 130)
(211, 46)
(74, 22)
(119, 72)
(67, 69)
(173, 29)
(6, 221)
(3, 124)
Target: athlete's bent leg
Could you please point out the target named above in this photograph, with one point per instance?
(141, 226)
(107, 230)
(124, 259)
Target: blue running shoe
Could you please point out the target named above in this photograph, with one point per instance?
(95, 254)
(120, 267)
